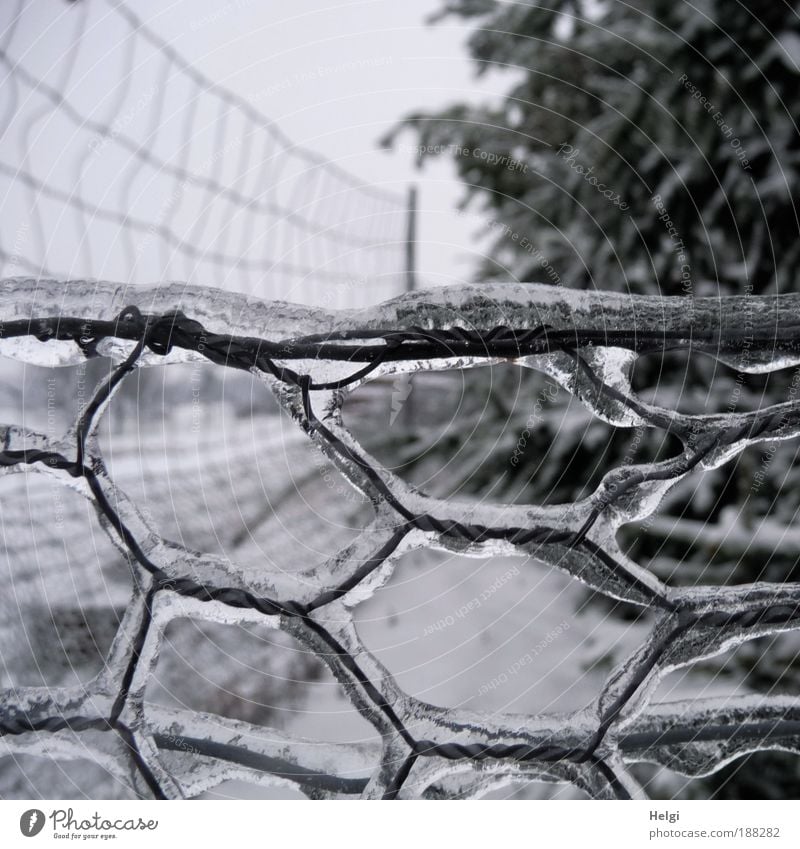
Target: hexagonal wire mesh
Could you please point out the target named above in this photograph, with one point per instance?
(311, 359)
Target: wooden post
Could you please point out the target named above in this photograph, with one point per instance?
(403, 387)
(411, 239)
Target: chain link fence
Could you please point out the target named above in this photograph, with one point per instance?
(311, 359)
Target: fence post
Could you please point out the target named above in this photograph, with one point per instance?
(403, 405)
(411, 239)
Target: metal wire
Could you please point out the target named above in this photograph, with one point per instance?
(422, 743)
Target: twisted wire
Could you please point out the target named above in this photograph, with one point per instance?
(160, 334)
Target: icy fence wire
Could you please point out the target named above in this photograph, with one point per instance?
(310, 359)
(159, 172)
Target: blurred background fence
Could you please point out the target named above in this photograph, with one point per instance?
(120, 160)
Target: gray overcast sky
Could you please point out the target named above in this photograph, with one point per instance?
(335, 76)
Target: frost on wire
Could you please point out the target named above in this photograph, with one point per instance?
(311, 359)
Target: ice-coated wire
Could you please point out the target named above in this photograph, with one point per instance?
(576, 336)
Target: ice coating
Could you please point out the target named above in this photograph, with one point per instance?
(427, 750)
(713, 325)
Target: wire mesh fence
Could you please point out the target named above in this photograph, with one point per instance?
(119, 159)
(311, 360)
